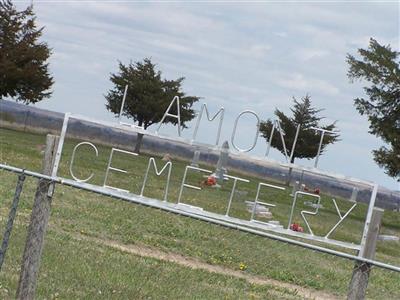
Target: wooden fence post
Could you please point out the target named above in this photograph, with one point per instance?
(359, 280)
(38, 225)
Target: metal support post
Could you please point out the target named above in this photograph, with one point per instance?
(359, 280)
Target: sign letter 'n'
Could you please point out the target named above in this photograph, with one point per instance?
(277, 125)
(168, 114)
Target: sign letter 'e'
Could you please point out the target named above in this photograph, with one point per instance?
(189, 185)
(109, 167)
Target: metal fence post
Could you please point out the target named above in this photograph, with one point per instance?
(38, 225)
(11, 217)
(359, 280)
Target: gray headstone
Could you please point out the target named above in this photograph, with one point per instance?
(302, 188)
(296, 187)
(354, 194)
(222, 163)
(196, 158)
(388, 238)
(313, 205)
(260, 211)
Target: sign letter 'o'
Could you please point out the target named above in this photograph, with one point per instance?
(235, 127)
(73, 157)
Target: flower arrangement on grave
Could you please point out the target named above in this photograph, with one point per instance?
(296, 227)
(210, 181)
(310, 190)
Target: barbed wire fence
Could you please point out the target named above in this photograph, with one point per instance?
(11, 218)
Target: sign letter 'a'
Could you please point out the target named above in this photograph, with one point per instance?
(168, 114)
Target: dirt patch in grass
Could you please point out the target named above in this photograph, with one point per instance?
(193, 263)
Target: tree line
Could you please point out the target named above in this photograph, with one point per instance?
(25, 77)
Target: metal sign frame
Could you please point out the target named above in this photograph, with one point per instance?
(180, 205)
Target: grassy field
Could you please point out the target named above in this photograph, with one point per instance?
(79, 268)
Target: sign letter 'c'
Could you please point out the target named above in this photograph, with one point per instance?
(73, 157)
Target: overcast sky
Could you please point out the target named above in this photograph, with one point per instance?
(243, 55)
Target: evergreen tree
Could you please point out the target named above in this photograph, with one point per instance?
(379, 66)
(148, 96)
(23, 69)
(308, 139)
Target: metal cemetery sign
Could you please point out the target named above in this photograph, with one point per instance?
(179, 204)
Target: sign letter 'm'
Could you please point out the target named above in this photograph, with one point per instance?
(158, 173)
(221, 118)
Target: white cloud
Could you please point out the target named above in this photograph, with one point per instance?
(306, 54)
(300, 83)
(253, 55)
(281, 34)
(259, 51)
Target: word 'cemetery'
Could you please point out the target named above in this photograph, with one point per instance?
(168, 167)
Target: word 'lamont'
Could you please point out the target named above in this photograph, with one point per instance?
(276, 128)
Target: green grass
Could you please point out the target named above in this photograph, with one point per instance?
(78, 269)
